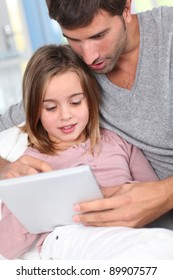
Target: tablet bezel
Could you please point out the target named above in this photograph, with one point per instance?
(43, 201)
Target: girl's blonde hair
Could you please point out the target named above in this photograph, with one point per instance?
(45, 63)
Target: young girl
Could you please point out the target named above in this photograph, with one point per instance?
(61, 102)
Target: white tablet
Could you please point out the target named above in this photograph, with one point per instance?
(44, 201)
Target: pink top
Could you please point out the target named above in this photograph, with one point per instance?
(117, 162)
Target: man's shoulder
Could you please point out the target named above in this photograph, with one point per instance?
(157, 13)
(157, 20)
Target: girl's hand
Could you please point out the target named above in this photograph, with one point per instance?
(25, 165)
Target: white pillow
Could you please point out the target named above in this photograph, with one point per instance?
(12, 143)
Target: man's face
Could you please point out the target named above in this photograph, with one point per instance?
(101, 43)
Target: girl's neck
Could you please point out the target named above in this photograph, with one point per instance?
(61, 146)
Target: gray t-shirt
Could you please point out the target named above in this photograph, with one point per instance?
(144, 114)
(13, 116)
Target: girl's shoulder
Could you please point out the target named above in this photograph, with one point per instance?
(109, 134)
(111, 138)
(35, 153)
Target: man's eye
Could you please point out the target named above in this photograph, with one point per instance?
(74, 40)
(99, 36)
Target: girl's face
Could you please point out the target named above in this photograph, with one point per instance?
(64, 113)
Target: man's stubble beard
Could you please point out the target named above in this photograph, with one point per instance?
(118, 51)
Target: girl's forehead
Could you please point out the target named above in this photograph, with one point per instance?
(64, 85)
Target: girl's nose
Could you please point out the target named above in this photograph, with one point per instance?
(66, 117)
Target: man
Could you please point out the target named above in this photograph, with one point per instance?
(132, 57)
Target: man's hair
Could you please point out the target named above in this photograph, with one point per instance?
(72, 14)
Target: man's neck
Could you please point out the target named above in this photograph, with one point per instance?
(124, 72)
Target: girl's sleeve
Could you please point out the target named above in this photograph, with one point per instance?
(140, 168)
(15, 240)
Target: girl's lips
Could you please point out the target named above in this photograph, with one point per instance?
(68, 128)
(98, 66)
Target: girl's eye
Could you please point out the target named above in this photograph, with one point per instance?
(76, 102)
(51, 108)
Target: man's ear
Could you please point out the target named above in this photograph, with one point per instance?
(127, 11)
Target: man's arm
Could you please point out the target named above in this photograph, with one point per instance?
(3, 163)
(14, 115)
(131, 205)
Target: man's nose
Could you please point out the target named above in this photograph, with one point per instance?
(89, 53)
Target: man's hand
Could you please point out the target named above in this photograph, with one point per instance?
(25, 165)
(131, 205)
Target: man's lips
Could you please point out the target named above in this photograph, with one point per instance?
(98, 66)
